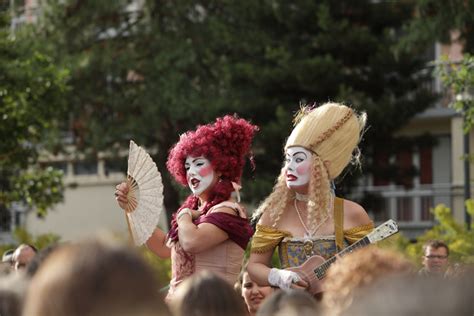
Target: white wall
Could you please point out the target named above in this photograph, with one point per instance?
(88, 209)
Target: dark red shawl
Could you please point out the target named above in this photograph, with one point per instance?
(238, 228)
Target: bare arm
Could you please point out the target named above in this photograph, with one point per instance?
(259, 267)
(157, 244)
(261, 271)
(260, 263)
(196, 239)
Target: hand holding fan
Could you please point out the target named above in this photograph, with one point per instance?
(145, 194)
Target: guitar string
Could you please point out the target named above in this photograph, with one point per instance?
(314, 275)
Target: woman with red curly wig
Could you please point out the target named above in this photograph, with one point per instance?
(210, 230)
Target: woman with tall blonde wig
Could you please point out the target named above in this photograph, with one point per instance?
(302, 217)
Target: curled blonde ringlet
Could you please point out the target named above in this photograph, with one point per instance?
(319, 197)
(356, 154)
(276, 202)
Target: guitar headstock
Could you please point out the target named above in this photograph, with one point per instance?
(383, 231)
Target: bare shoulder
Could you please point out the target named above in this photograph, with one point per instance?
(354, 215)
(225, 209)
(265, 219)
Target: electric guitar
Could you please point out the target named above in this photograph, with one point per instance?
(314, 276)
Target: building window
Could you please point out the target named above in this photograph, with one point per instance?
(382, 167)
(426, 205)
(426, 165)
(115, 165)
(5, 219)
(406, 171)
(86, 167)
(382, 212)
(405, 209)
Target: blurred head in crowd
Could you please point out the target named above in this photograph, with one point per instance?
(7, 263)
(357, 270)
(410, 296)
(23, 254)
(435, 257)
(38, 259)
(207, 294)
(7, 255)
(92, 278)
(12, 291)
(289, 303)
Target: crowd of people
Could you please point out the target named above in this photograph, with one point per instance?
(301, 219)
(102, 276)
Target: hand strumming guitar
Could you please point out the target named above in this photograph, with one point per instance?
(286, 279)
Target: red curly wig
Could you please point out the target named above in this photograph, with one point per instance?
(225, 143)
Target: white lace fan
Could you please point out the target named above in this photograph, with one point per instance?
(145, 195)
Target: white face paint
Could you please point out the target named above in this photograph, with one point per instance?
(298, 166)
(199, 174)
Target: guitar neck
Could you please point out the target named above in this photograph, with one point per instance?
(321, 270)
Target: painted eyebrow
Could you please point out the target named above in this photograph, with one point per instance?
(300, 152)
(194, 160)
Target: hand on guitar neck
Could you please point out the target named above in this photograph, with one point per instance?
(314, 269)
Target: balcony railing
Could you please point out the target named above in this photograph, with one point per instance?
(407, 206)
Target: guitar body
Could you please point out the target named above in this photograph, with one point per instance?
(306, 272)
(314, 269)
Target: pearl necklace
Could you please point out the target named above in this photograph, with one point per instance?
(301, 197)
(308, 233)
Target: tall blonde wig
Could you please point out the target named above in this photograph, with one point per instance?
(331, 132)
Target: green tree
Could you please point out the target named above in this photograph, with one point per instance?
(459, 239)
(282, 52)
(436, 20)
(40, 241)
(447, 22)
(459, 78)
(23, 237)
(32, 95)
(136, 74)
(153, 71)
